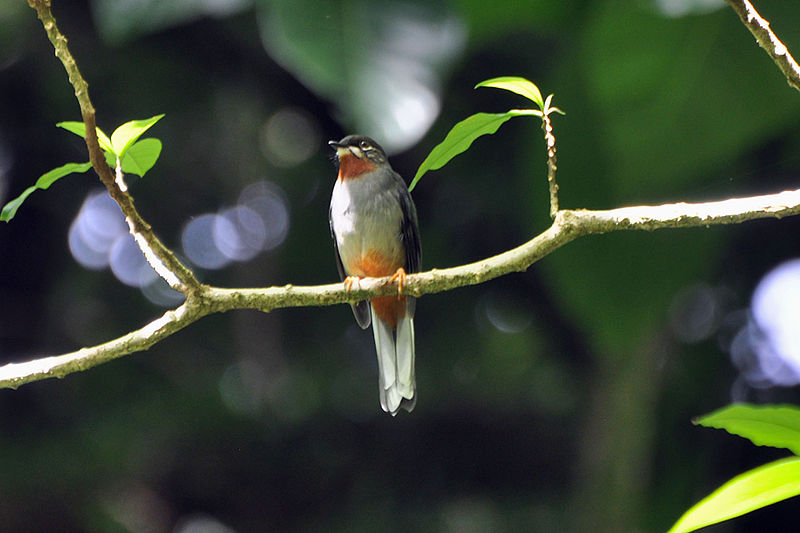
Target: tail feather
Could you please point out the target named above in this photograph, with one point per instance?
(404, 350)
(397, 385)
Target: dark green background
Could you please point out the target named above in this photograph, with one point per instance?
(577, 419)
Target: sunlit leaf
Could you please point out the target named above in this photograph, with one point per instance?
(517, 85)
(141, 156)
(462, 135)
(747, 492)
(44, 181)
(768, 425)
(124, 136)
(79, 129)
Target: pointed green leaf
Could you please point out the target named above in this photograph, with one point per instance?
(141, 156)
(10, 209)
(768, 425)
(462, 135)
(747, 492)
(48, 178)
(517, 85)
(79, 129)
(44, 181)
(124, 136)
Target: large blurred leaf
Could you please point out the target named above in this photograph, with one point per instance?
(679, 95)
(379, 61)
(767, 425)
(747, 492)
(119, 20)
(488, 20)
(661, 106)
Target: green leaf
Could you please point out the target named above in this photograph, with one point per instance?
(44, 181)
(768, 425)
(462, 135)
(517, 85)
(141, 156)
(79, 129)
(124, 136)
(747, 492)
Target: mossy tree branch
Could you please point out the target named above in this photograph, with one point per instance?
(767, 39)
(568, 226)
(203, 300)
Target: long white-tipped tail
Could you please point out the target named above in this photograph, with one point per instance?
(397, 384)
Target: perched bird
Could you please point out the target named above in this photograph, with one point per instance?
(375, 233)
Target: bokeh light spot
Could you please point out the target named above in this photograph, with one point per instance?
(269, 202)
(94, 231)
(128, 264)
(697, 311)
(199, 243)
(289, 137)
(259, 222)
(681, 8)
(766, 349)
(507, 313)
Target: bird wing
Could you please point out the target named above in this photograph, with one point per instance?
(409, 228)
(409, 233)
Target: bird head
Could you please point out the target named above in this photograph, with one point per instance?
(357, 155)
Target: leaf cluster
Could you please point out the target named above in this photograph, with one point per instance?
(123, 150)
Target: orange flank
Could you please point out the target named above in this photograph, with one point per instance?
(351, 166)
(376, 265)
(389, 309)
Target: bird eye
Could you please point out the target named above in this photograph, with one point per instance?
(364, 145)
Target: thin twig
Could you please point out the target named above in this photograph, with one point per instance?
(161, 258)
(552, 167)
(767, 39)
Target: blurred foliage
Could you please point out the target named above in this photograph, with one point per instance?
(557, 399)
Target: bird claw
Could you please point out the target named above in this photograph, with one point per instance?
(400, 278)
(349, 281)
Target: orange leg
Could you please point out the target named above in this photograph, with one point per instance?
(400, 278)
(349, 281)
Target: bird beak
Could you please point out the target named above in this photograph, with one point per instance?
(343, 149)
(340, 148)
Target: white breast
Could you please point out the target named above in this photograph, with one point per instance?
(366, 217)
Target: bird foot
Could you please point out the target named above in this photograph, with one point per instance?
(349, 281)
(400, 278)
